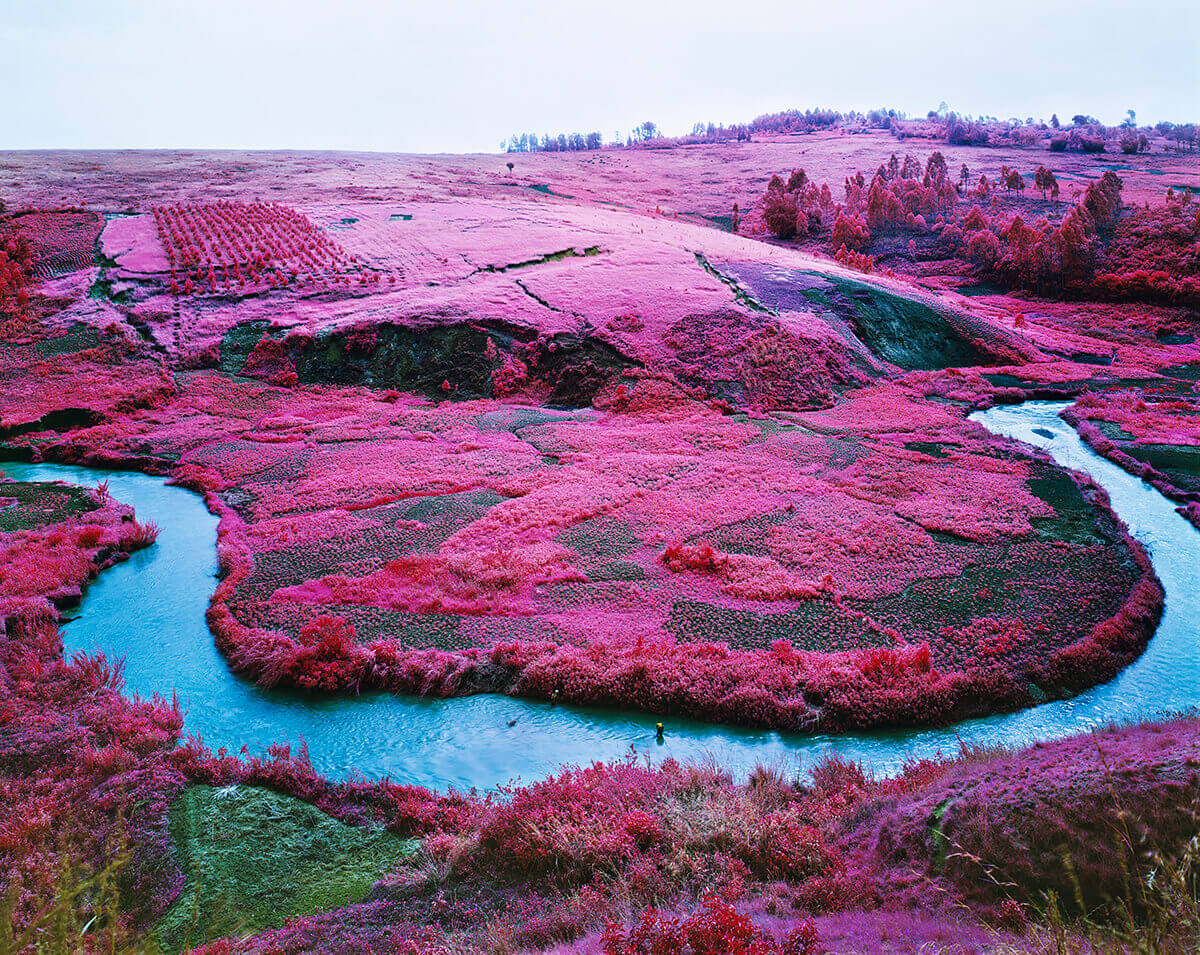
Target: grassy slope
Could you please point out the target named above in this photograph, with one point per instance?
(254, 858)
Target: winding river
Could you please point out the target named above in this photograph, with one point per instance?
(150, 610)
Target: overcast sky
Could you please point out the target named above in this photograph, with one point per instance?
(459, 75)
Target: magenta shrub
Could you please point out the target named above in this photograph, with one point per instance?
(714, 928)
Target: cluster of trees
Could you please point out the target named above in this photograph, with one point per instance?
(965, 132)
(1046, 257)
(1094, 248)
(1045, 181)
(648, 133)
(562, 143)
(801, 121)
(883, 118)
(1084, 133)
(644, 134)
(796, 121)
(1183, 135)
(1094, 139)
(1098, 247)
(701, 133)
(901, 195)
(796, 207)
(1154, 254)
(715, 133)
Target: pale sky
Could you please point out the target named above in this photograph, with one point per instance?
(460, 75)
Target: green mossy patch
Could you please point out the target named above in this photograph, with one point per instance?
(907, 333)
(253, 859)
(29, 505)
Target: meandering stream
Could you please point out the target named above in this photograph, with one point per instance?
(150, 610)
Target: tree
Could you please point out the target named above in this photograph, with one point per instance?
(1054, 120)
(1131, 119)
(935, 167)
(510, 167)
(1011, 179)
(849, 232)
(1045, 181)
(1103, 199)
(983, 248)
(779, 209)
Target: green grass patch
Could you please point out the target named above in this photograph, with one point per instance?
(254, 859)
(26, 506)
(906, 332)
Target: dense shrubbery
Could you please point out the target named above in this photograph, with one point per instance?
(16, 271)
(715, 928)
(1078, 818)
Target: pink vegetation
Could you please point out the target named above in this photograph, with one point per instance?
(560, 858)
(1157, 440)
(53, 563)
(714, 928)
(612, 556)
(1075, 816)
(1095, 247)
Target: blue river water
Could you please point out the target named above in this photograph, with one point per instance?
(150, 609)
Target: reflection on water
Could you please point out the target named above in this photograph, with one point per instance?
(150, 610)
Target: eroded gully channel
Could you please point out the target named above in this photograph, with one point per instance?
(150, 611)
